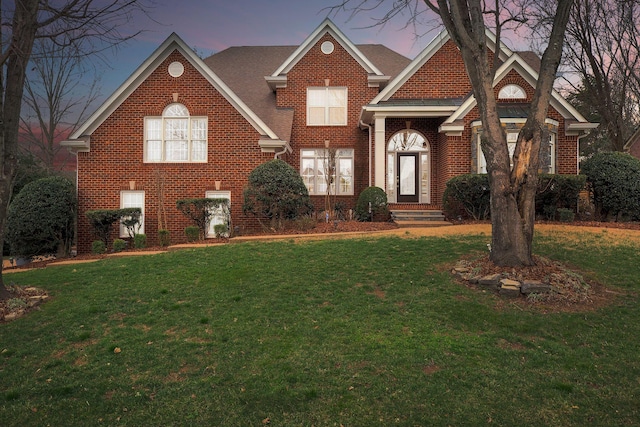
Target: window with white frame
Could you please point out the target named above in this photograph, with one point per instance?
(315, 165)
(512, 139)
(132, 199)
(327, 106)
(220, 215)
(175, 137)
(512, 91)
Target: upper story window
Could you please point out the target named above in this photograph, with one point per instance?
(175, 137)
(512, 92)
(327, 106)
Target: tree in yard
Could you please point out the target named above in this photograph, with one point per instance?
(55, 101)
(513, 188)
(83, 26)
(603, 53)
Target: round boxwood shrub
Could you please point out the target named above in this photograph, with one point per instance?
(614, 181)
(98, 247)
(372, 205)
(276, 192)
(41, 218)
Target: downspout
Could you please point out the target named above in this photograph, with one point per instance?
(363, 124)
(277, 154)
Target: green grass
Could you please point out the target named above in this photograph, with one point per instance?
(354, 332)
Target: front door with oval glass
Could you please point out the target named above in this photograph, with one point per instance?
(407, 181)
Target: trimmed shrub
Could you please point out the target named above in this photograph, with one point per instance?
(614, 181)
(468, 194)
(140, 241)
(130, 218)
(40, 219)
(192, 232)
(98, 247)
(276, 192)
(201, 210)
(119, 245)
(372, 205)
(566, 215)
(102, 220)
(558, 192)
(164, 237)
(221, 230)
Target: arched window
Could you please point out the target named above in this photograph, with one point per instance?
(175, 137)
(512, 91)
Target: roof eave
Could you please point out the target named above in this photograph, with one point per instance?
(76, 146)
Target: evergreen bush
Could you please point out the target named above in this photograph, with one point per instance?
(614, 181)
(119, 245)
(98, 247)
(468, 194)
(276, 192)
(140, 241)
(41, 218)
(192, 232)
(372, 205)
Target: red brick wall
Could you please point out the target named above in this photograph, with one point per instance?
(342, 70)
(116, 155)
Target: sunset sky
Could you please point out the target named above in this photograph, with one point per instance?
(212, 26)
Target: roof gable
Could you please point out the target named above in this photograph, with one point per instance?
(517, 63)
(427, 53)
(327, 26)
(171, 44)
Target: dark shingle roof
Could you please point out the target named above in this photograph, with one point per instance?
(243, 69)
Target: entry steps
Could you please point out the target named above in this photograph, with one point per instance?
(418, 218)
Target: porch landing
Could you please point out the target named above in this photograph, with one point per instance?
(417, 215)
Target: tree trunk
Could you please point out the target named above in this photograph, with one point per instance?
(24, 30)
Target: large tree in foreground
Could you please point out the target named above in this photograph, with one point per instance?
(85, 26)
(513, 188)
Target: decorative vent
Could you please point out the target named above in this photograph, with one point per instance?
(327, 47)
(176, 69)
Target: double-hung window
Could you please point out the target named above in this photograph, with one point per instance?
(327, 106)
(175, 137)
(317, 164)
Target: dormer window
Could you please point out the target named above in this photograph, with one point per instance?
(175, 137)
(512, 92)
(326, 106)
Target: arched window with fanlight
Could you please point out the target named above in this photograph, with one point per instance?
(175, 137)
(512, 91)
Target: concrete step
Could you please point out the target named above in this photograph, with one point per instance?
(420, 224)
(417, 215)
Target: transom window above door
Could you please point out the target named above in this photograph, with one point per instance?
(326, 106)
(175, 137)
(408, 140)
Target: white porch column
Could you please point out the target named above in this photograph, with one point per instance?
(380, 152)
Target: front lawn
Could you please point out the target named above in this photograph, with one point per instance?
(356, 332)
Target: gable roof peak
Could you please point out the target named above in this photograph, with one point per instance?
(327, 26)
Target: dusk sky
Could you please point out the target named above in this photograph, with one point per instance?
(212, 26)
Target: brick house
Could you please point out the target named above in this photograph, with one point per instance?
(184, 127)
